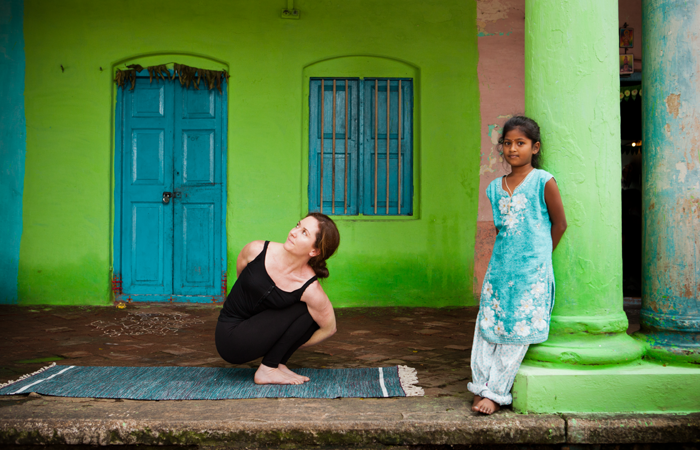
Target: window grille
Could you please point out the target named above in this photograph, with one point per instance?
(361, 146)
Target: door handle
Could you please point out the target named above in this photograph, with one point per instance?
(166, 197)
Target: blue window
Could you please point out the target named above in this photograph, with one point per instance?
(361, 146)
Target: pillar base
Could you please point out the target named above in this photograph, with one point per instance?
(586, 349)
(641, 387)
(671, 347)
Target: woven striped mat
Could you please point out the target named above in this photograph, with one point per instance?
(211, 383)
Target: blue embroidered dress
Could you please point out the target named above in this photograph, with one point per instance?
(518, 291)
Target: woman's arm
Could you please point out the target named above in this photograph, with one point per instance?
(249, 252)
(321, 311)
(556, 211)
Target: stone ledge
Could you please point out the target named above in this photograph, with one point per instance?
(302, 423)
(513, 430)
(632, 428)
(268, 423)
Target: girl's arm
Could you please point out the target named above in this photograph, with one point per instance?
(556, 211)
(321, 311)
(249, 253)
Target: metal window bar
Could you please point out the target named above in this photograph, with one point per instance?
(376, 139)
(346, 146)
(333, 162)
(388, 140)
(398, 211)
(323, 87)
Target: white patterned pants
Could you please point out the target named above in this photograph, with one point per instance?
(494, 367)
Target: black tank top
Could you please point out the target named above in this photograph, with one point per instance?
(254, 292)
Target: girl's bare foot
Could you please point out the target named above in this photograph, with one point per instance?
(270, 375)
(286, 370)
(487, 406)
(477, 399)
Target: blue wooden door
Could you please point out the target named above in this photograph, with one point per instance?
(172, 195)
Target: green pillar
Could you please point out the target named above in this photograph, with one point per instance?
(589, 363)
(572, 89)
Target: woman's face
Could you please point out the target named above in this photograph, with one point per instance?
(301, 240)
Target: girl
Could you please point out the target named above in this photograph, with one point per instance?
(518, 291)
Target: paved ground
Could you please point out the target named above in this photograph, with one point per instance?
(435, 341)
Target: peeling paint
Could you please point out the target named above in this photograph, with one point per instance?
(682, 169)
(500, 33)
(491, 11)
(673, 103)
(494, 155)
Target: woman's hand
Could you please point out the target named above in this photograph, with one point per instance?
(321, 311)
(249, 253)
(556, 211)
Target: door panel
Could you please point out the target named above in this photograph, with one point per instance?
(147, 157)
(198, 245)
(198, 156)
(147, 246)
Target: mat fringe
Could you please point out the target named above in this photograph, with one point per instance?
(408, 376)
(24, 377)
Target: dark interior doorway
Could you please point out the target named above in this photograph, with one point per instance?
(631, 155)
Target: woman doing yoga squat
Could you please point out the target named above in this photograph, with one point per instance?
(277, 305)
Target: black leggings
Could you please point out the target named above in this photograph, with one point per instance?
(274, 334)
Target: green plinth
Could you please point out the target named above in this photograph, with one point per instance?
(640, 387)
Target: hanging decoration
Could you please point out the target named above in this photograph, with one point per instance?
(627, 92)
(187, 75)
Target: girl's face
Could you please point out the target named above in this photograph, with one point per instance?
(301, 239)
(518, 148)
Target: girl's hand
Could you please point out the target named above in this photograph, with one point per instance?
(556, 211)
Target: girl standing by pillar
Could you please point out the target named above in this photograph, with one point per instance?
(518, 291)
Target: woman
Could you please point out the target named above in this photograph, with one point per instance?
(277, 305)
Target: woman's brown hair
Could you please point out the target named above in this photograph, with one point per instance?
(327, 242)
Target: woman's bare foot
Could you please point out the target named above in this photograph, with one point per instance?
(270, 375)
(487, 406)
(477, 399)
(288, 371)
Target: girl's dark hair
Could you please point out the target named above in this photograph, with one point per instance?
(327, 242)
(529, 128)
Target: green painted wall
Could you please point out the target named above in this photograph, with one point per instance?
(66, 248)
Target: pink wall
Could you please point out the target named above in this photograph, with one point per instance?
(501, 27)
